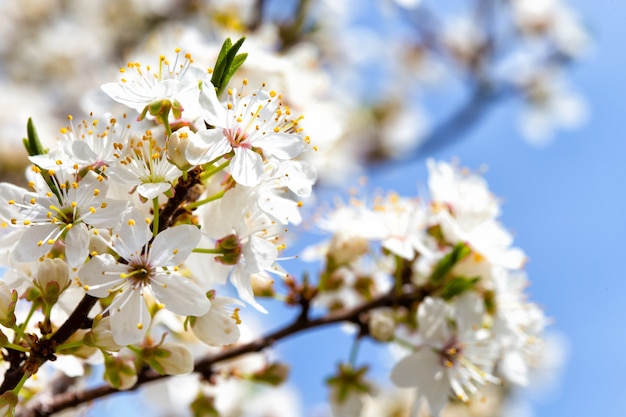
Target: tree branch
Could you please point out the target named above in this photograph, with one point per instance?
(44, 348)
(205, 365)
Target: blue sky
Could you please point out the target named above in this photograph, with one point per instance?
(567, 208)
(566, 205)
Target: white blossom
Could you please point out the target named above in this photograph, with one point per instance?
(452, 358)
(148, 268)
(248, 129)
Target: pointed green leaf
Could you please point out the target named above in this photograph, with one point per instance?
(457, 286)
(234, 66)
(445, 265)
(34, 144)
(220, 63)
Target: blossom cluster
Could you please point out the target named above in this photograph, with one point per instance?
(362, 104)
(120, 248)
(458, 309)
(149, 218)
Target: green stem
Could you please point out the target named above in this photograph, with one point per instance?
(354, 352)
(135, 349)
(22, 327)
(155, 216)
(405, 344)
(198, 203)
(166, 125)
(71, 345)
(19, 331)
(19, 386)
(16, 347)
(209, 165)
(212, 170)
(398, 274)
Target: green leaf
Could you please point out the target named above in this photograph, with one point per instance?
(34, 144)
(237, 62)
(227, 64)
(445, 265)
(457, 286)
(220, 63)
(274, 374)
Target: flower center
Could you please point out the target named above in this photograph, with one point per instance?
(230, 248)
(451, 352)
(237, 138)
(139, 273)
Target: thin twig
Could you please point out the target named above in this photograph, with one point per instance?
(205, 365)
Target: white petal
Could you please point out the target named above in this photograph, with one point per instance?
(469, 310)
(259, 254)
(206, 146)
(411, 370)
(172, 246)
(101, 274)
(8, 192)
(281, 145)
(82, 152)
(212, 110)
(132, 235)
(77, 245)
(119, 94)
(28, 248)
(108, 217)
(152, 190)
(281, 209)
(241, 280)
(432, 316)
(246, 167)
(514, 368)
(129, 322)
(217, 327)
(421, 370)
(180, 295)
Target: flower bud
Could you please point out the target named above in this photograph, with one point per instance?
(344, 249)
(52, 279)
(272, 374)
(347, 391)
(231, 248)
(82, 351)
(177, 146)
(101, 336)
(8, 402)
(120, 372)
(219, 326)
(169, 359)
(8, 299)
(382, 324)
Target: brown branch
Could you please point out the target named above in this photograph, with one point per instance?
(205, 365)
(42, 351)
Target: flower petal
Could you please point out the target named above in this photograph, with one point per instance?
(101, 274)
(34, 242)
(212, 110)
(77, 245)
(281, 145)
(241, 279)
(424, 371)
(130, 321)
(217, 327)
(246, 167)
(172, 246)
(180, 295)
(259, 254)
(206, 146)
(132, 235)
